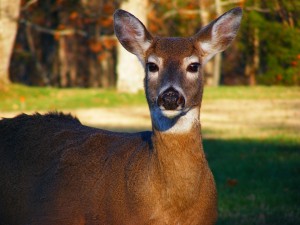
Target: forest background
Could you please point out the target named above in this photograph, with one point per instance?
(72, 44)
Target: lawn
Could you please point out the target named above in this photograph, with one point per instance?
(258, 181)
(251, 138)
(22, 98)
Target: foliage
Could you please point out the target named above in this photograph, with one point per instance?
(71, 43)
(281, 46)
(279, 40)
(65, 43)
(174, 18)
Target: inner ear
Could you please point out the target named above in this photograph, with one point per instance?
(218, 35)
(131, 33)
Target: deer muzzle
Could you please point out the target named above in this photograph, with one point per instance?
(171, 99)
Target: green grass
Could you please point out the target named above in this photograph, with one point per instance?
(253, 93)
(258, 181)
(19, 97)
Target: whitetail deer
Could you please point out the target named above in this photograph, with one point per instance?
(56, 171)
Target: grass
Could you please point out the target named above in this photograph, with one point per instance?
(18, 97)
(258, 179)
(253, 93)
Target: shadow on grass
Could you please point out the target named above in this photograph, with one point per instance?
(258, 181)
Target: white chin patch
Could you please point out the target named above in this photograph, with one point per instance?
(171, 113)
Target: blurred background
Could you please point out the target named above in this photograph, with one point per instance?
(72, 44)
(62, 55)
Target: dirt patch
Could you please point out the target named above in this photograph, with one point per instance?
(219, 118)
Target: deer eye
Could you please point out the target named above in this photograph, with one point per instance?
(152, 67)
(193, 67)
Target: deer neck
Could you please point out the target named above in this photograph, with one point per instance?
(179, 157)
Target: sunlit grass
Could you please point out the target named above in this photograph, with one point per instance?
(258, 92)
(19, 97)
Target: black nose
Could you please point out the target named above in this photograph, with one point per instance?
(170, 99)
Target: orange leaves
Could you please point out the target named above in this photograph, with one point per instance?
(22, 99)
(59, 2)
(95, 46)
(190, 11)
(100, 45)
(152, 15)
(155, 22)
(61, 27)
(231, 182)
(22, 102)
(241, 3)
(106, 22)
(109, 43)
(102, 56)
(294, 63)
(56, 36)
(189, 15)
(73, 15)
(279, 77)
(153, 27)
(108, 8)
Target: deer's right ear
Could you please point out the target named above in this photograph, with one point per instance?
(132, 33)
(218, 35)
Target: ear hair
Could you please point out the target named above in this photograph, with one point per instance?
(131, 33)
(218, 35)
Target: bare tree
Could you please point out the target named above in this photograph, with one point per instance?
(218, 57)
(9, 13)
(130, 71)
(205, 14)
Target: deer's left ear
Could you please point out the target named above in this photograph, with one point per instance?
(218, 35)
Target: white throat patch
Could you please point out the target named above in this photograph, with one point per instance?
(182, 124)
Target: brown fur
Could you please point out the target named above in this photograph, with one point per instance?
(56, 171)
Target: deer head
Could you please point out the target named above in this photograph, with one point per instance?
(173, 65)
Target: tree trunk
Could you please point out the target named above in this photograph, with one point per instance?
(217, 63)
(256, 58)
(9, 14)
(205, 6)
(129, 70)
(108, 71)
(63, 62)
(252, 66)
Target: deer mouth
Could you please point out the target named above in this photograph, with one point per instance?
(171, 113)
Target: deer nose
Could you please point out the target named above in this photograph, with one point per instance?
(171, 99)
